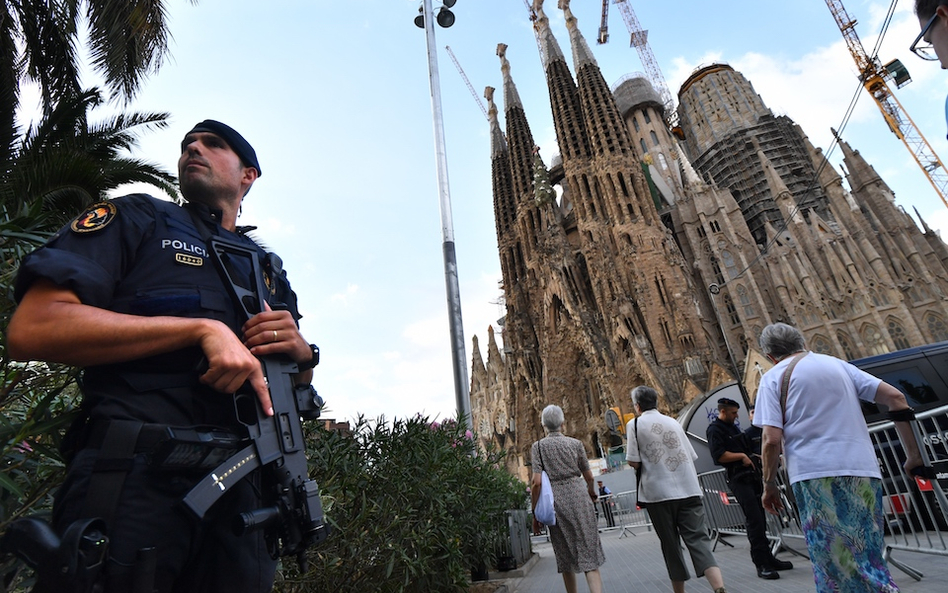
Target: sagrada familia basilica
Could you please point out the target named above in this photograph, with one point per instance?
(638, 256)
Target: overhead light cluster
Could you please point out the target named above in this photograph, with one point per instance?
(445, 17)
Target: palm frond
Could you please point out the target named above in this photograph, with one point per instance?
(128, 40)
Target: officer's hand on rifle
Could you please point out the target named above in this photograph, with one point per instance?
(230, 364)
(275, 332)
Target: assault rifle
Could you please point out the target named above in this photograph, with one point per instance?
(293, 521)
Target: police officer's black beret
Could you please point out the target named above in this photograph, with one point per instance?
(233, 139)
(729, 403)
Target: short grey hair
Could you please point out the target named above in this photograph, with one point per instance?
(645, 397)
(781, 340)
(552, 417)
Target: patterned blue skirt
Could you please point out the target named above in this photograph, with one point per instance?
(843, 524)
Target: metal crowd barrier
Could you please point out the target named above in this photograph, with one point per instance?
(725, 516)
(627, 515)
(915, 510)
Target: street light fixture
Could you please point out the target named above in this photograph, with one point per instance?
(445, 17)
(462, 386)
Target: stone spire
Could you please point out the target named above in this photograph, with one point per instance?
(511, 96)
(505, 203)
(498, 143)
(605, 128)
(564, 98)
(582, 55)
(691, 177)
(550, 49)
(519, 138)
(921, 220)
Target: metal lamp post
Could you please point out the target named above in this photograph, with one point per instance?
(715, 289)
(445, 18)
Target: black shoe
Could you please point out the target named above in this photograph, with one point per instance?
(781, 564)
(767, 573)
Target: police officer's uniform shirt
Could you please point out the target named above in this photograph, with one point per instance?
(724, 437)
(143, 256)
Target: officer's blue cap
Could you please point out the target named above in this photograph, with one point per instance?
(728, 402)
(233, 139)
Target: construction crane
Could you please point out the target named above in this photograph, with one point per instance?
(873, 76)
(639, 40)
(532, 12)
(604, 24)
(466, 81)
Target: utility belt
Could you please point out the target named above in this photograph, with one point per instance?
(75, 560)
(742, 473)
(168, 448)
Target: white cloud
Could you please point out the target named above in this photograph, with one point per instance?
(343, 297)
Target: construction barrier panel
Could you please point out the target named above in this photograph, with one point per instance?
(725, 516)
(916, 511)
(628, 516)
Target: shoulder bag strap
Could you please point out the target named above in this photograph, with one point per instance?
(635, 430)
(785, 384)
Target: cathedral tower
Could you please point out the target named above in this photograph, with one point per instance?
(660, 263)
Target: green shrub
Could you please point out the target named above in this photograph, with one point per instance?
(413, 507)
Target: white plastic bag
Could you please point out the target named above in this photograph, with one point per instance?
(545, 512)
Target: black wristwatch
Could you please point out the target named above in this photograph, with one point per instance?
(305, 366)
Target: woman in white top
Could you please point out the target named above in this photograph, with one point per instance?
(818, 426)
(669, 486)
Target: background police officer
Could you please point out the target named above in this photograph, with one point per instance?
(127, 292)
(729, 448)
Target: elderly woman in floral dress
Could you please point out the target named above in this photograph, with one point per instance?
(575, 537)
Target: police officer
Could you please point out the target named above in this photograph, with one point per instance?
(128, 292)
(729, 449)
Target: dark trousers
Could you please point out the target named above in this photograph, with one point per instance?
(748, 493)
(192, 555)
(606, 504)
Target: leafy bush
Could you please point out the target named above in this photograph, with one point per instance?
(413, 507)
(33, 415)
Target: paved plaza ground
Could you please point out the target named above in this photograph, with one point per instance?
(634, 564)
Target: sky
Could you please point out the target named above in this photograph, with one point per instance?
(334, 96)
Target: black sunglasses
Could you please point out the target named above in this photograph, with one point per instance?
(925, 51)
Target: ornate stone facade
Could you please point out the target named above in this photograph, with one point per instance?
(625, 265)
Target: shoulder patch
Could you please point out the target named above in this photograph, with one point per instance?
(95, 218)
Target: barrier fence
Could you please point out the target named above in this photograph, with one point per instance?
(625, 514)
(616, 512)
(915, 510)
